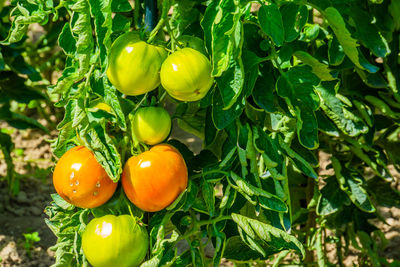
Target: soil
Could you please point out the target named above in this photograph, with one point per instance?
(24, 213)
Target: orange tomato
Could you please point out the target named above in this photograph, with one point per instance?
(155, 178)
(80, 180)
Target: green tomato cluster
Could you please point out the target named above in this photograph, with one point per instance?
(136, 67)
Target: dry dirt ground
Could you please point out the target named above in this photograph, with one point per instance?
(24, 213)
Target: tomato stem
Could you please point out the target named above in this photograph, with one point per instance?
(164, 17)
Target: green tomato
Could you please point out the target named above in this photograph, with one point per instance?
(115, 241)
(186, 75)
(151, 125)
(134, 65)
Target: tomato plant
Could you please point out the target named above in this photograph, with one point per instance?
(186, 75)
(269, 86)
(151, 125)
(80, 180)
(134, 65)
(155, 178)
(115, 240)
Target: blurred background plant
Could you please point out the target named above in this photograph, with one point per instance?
(27, 67)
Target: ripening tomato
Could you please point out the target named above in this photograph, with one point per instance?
(186, 75)
(134, 65)
(80, 180)
(115, 241)
(155, 178)
(151, 125)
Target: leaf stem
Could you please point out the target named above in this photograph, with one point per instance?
(199, 175)
(198, 224)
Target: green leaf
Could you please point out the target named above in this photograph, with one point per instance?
(271, 153)
(271, 23)
(6, 147)
(269, 239)
(209, 198)
(326, 125)
(163, 255)
(336, 53)
(120, 6)
(222, 117)
(349, 44)
(184, 15)
(295, 18)
(298, 160)
(318, 68)
(351, 183)
(297, 88)
(120, 23)
(267, 200)
(230, 84)
(101, 11)
(394, 10)
(310, 32)
(263, 92)
(383, 192)
(223, 21)
(368, 32)
(23, 17)
(331, 198)
(346, 121)
(66, 41)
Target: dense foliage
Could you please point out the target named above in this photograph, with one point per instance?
(292, 79)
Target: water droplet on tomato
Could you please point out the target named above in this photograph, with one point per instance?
(98, 184)
(72, 175)
(71, 184)
(95, 193)
(77, 182)
(74, 191)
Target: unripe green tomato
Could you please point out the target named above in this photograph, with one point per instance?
(134, 65)
(151, 125)
(115, 241)
(186, 75)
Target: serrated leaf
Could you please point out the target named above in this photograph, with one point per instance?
(272, 239)
(223, 21)
(349, 123)
(349, 44)
(266, 199)
(101, 11)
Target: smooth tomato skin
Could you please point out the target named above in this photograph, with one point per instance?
(134, 65)
(151, 125)
(186, 75)
(115, 241)
(155, 178)
(80, 180)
